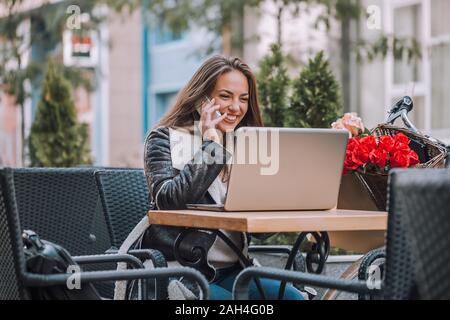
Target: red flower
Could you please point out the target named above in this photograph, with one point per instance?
(379, 157)
(352, 144)
(401, 138)
(386, 143)
(363, 149)
(401, 143)
(370, 142)
(349, 165)
(352, 162)
(389, 150)
(413, 158)
(403, 159)
(400, 160)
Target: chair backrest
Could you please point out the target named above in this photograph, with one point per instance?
(12, 261)
(62, 206)
(428, 224)
(399, 282)
(124, 195)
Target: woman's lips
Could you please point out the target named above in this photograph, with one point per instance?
(230, 118)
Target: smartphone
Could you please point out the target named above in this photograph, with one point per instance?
(199, 109)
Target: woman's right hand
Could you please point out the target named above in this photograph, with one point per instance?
(209, 121)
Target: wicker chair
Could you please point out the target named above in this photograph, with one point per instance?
(428, 221)
(63, 206)
(15, 281)
(124, 197)
(417, 257)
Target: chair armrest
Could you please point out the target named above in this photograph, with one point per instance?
(241, 284)
(40, 280)
(158, 259)
(104, 258)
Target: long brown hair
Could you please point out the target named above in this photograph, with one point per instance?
(183, 113)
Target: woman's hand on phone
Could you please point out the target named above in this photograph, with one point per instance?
(209, 121)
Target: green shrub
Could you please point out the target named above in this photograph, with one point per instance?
(316, 99)
(56, 138)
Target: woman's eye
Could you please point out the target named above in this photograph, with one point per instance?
(224, 97)
(244, 99)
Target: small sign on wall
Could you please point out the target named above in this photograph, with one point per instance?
(80, 49)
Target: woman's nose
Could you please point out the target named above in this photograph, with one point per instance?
(235, 106)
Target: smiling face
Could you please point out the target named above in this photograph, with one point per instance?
(232, 94)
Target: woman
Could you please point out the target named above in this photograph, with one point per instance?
(186, 162)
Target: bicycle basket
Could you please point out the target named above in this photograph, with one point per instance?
(431, 154)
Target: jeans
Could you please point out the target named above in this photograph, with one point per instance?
(221, 288)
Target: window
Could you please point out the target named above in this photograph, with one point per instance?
(163, 35)
(163, 102)
(440, 23)
(428, 22)
(407, 25)
(440, 86)
(440, 67)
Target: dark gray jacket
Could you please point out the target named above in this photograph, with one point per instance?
(172, 189)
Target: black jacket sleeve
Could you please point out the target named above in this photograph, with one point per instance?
(172, 189)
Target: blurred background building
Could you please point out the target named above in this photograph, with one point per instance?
(380, 83)
(139, 66)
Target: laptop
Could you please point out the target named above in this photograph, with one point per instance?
(283, 169)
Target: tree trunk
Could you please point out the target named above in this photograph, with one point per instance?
(237, 39)
(22, 114)
(226, 39)
(280, 25)
(22, 132)
(233, 33)
(346, 63)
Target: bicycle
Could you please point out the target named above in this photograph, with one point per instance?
(375, 259)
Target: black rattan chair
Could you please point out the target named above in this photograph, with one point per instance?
(15, 281)
(417, 258)
(62, 205)
(428, 221)
(124, 196)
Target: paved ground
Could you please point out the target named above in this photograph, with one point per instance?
(331, 269)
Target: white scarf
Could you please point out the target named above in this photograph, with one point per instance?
(183, 146)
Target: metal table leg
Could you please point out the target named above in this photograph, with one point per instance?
(318, 254)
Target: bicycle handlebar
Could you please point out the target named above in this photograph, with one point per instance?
(401, 110)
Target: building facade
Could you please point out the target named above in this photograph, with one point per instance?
(141, 66)
(384, 81)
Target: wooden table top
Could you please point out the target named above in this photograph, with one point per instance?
(269, 221)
